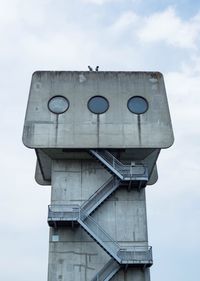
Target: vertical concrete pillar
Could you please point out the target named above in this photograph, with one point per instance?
(73, 254)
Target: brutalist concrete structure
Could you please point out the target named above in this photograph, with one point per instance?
(97, 137)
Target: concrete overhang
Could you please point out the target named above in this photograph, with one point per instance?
(78, 127)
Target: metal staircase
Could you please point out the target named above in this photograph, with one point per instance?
(108, 271)
(130, 255)
(100, 195)
(60, 215)
(134, 172)
(126, 255)
(98, 234)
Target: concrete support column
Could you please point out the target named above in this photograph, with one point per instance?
(73, 254)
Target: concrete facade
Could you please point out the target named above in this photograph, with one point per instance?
(74, 256)
(104, 159)
(80, 128)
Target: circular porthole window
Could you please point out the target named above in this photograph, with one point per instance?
(137, 105)
(58, 104)
(98, 104)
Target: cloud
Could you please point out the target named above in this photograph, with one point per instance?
(184, 86)
(166, 26)
(99, 2)
(47, 35)
(125, 20)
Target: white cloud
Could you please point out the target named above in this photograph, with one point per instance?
(54, 36)
(175, 201)
(99, 2)
(183, 93)
(168, 27)
(125, 20)
(184, 86)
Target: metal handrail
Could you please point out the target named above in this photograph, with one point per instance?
(97, 192)
(119, 166)
(99, 231)
(112, 160)
(63, 212)
(89, 205)
(136, 253)
(106, 270)
(63, 207)
(98, 195)
(141, 248)
(128, 253)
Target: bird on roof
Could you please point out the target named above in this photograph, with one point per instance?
(97, 68)
(90, 68)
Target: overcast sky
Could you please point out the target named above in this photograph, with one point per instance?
(134, 35)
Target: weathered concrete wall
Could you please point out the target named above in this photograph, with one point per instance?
(80, 128)
(135, 136)
(73, 255)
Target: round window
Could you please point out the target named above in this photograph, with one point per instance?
(137, 105)
(58, 104)
(98, 104)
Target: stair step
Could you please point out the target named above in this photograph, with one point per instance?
(100, 196)
(108, 271)
(123, 172)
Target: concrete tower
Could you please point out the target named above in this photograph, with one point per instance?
(97, 137)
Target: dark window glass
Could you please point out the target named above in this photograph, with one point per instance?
(137, 105)
(58, 104)
(98, 104)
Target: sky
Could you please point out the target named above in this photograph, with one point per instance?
(134, 35)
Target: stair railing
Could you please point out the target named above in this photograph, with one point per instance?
(121, 254)
(96, 230)
(136, 253)
(107, 271)
(63, 212)
(125, 170)
(99, 194)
